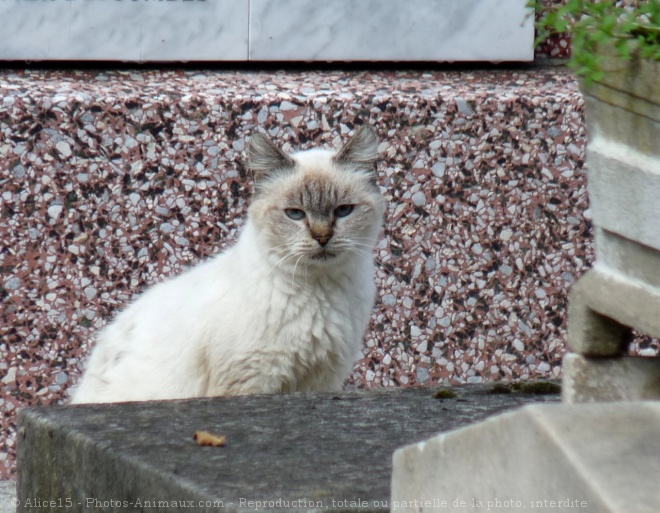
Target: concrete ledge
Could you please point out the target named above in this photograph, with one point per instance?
(590, 458)
(625, 105)
(628, 258)
(635, 125)
(332, 451)
(610, 379)
(627, 89)
(594, 334)
(602, 309)
(623, 188)
(637, 78)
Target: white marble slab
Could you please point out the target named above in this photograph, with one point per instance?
(149, 30)
(385, 30)
(279, 30)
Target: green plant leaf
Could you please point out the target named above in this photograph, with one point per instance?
(623, 48)
(630, 28)
(608, 24)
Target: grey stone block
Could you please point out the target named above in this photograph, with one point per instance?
(623, 154)
(629, 120)
(624, 187)
(590, 332)
(330, 450)
(610, 379)
(624, 105)
(602, 309)
(589, 457)
(628, 258)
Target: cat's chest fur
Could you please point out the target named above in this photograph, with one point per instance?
(318, 326)
(300, 333)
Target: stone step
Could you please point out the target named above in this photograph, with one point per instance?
(585, 457)
(307, 451)
(620, 378)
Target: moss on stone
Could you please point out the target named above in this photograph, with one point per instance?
(534, 388)
(501, 389)
(444, 393)
(541, 388)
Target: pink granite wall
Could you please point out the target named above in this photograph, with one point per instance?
(111, 181)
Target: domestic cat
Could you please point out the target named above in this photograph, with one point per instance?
(283, 310)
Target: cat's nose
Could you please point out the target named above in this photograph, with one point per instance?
(322, 236)
(322, 240)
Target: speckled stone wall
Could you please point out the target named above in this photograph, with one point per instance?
(111, 181)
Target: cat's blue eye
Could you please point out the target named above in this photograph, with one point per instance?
(294, 213)
(344, 210)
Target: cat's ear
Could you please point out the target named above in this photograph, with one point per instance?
(361, 149)
(264, 157)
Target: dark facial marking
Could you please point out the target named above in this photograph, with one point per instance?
(319, 196)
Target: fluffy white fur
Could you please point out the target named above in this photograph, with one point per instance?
(277, 312)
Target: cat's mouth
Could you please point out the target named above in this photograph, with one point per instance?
(323, 255)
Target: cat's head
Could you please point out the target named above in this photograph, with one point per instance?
(316, 207)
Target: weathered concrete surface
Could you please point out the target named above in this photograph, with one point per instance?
(623, 191)
(622, 291)
(610, 379)
(317, 447)
(603, 307)
(592, 458)
(7, 496)
(628, 258)
(623, 154)
(625, 105)
(623, 118)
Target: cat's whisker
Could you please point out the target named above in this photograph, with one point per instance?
(360, 252)
(286, 252)
(283, 245)
(348, 254)
(364, 250)
(293, 276)
(366, 246)
(358, 237)
(368, 240)
(285, 257)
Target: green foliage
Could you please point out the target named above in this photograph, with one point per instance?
(596, 23)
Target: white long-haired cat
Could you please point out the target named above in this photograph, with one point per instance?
(284, 309)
